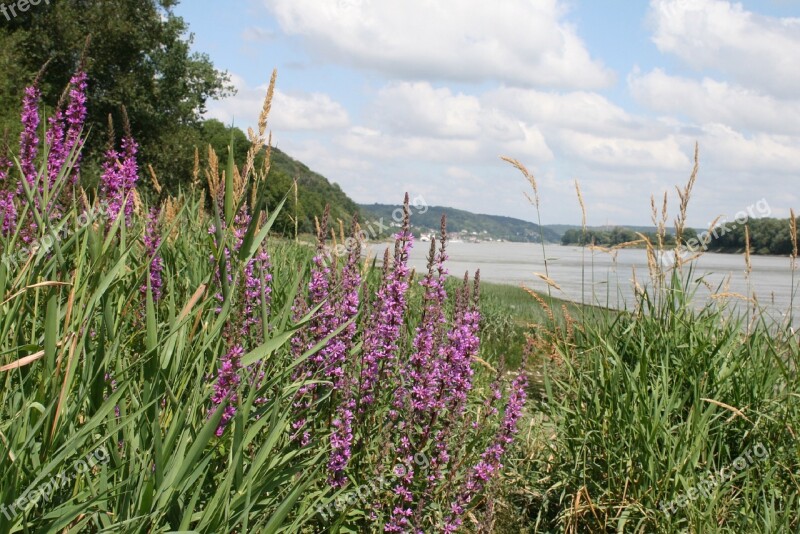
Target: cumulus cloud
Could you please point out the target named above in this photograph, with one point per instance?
(413, 107)
(525, 122)
(754, 50)
(385, 146)
(627, 153)
(462, 125)
(578, 110)
(517, 41)
(307, 111)
(290, 111)
(711, 101)
(761, 153)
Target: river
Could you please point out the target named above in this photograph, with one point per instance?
(607, 280)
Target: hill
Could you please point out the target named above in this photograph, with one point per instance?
(314, 190)
(466, 225)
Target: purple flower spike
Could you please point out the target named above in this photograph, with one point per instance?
(152, 240)
(227, 385)
(342, 435)
(384, 325)
(490, 462)
(28, 138)
(8, 211)
(63, 133)
(119, 180)
(76, 117)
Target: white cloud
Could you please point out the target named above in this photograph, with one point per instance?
(307, 111)
(380, 145)
(711, 101)
(290, 111)
(578, 110)
(626, 153)
(759, 154)
(517, 41)
(459, 124)
(755, 50)
(414, 107)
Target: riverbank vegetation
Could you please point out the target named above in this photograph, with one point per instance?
(168, 364)
(766, 236)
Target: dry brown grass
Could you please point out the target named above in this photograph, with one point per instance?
(583, 206)
(684, 195)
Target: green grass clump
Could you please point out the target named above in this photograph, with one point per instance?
(677, 416)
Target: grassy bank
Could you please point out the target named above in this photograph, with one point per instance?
(174, 368)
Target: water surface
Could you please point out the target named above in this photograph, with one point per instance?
(607, 280)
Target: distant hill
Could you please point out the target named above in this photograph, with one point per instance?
(314, 190)
(469, 226)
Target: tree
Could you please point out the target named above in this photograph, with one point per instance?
(139, 57)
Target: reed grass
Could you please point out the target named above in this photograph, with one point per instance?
(643, 404)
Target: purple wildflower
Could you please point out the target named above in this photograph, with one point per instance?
(457, 355)
(342, 435)
(8, 211)
(416, 397)
(152, 240)
(257, 293)
(28, 138)
(490, 462)
(76, 116)
(383, 329)
(119, 179)
(423, 371)
(64, 130)
(28, 149)
(320, 291)
(226, 387)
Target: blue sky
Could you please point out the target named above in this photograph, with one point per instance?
(387, 96)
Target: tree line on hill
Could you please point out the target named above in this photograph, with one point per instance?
(767, 236)
(483, 226)
(611, 237)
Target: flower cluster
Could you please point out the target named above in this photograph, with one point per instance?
(29, 137)
(337, 296)
(255, 299)
(118, 181)
(63, 134)
(152, 240)
(62, 137)
(8, 211)
(227, 385)
(342, 433)
(490, 462)
(406, 385)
